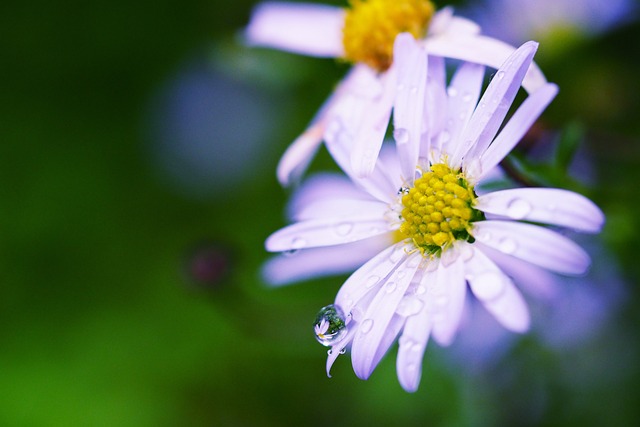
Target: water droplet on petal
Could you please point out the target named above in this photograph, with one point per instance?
(442, 300)
(518, 208)
(298, 243)
(452, 92)
(344, 228)
(421, 290)
(414, 90)
(507, 245)
(409, 306)
(466, 97)
(329, 325)
(371, 282)
(401, 135)
(366, 326)
(390, 287)
(488, 285)
(500, 75)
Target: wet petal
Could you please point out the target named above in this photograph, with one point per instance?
(326, 232)
(307, 29)
(448, 303)
(324, 261)
(411, 64)
(463, 94)
(411, 347)
(494, 104)
(298, 155)
(517, 127)
(547, 205)
(371, 333)
(369, 137)
(481, 50)
(497, 293)
(369, 277)
(535, 244)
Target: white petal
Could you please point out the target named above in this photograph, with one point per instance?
(370, 135)
(321, 187)
(324, 261)
(435, 110)
(517, 127)
(411, 65)
(447, 300)
(326, 232)
(298, 155)
(546, 205)
(481, 50)
(494, 104)
(371, 333)
(301, 28)
(412, 345)
(497, 293)
(369, 277)
(531, 279)
(463, 94)
(444, 21)
(342, 208)
(535, 244)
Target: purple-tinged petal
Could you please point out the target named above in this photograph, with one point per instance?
(516, 128)
(547, 205)
(326, 232)
(411, 347)
(447, 300)
(369, 277)
(324, 261)
(535, 244)
(307, 29)
(322, 187)
(410, 62)
(370, 136)
(435, 112)
(297, 157)
(497, 293)
(481, 50)
(463, 94)
(367, 342)
(494, 105)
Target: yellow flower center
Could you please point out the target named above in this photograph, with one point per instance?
(438, 210)
(371, 27)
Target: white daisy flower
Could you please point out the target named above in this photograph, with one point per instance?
(364, 34)
(421, 203)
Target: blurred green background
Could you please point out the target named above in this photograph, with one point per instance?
(137, 185)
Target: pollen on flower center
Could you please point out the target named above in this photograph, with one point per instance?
(371, 27)
(438, 209)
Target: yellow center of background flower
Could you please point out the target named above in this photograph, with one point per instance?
(371, 28)
(438, 210)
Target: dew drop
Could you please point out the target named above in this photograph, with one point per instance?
(401, 135)
(487, 285)
(390, 287)
(466, 97)
(421, 290)
(298, 243)
(518, 208)
(452, 92)
(507, 245)
(400, 87)
(330, 326)
(371, 282)
(343, 351)
(409, 306)
(500, 75)
(445, 137)
(414, 90)
(344, 228)
(442, 300)
(366, 326)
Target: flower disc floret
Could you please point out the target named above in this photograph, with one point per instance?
(438, 210)
(371, 27)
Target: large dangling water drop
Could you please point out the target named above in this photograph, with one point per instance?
(330, 326)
